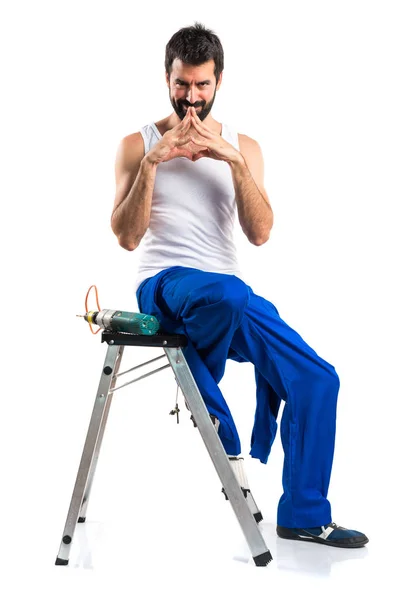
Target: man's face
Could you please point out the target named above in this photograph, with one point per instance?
(192, 86)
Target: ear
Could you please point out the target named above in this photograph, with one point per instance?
(219, 81)
(167, 79)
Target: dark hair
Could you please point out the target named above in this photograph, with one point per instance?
(195, 45)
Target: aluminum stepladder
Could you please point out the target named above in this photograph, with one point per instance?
(172, 345)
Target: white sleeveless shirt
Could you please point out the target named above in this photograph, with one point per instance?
(192, 216)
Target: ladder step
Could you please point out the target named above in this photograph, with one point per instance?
(257, 515)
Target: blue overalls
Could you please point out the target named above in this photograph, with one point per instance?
(223, 318)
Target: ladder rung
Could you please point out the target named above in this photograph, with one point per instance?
(141, 365)
(138, 378)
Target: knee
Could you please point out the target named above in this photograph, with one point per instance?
(317, 379)
(234, 293)
(329, 379)
(333, 379)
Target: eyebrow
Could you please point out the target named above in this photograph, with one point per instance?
(186, 82)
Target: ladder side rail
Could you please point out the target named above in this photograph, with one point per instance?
(253, 536)
(91, 446)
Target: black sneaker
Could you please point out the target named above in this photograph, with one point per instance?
(331, 535)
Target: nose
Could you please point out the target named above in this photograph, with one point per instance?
(192, 95)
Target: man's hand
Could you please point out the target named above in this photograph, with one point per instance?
(214, 146)
(176, 142)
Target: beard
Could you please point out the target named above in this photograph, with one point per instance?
(180, 107)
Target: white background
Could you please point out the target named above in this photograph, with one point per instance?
(317, 84)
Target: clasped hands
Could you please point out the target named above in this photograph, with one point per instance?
(202, 142)
(192, 139)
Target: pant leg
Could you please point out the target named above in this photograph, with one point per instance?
(265, 425)
(211, 307)
(207, 307)
(309, 386)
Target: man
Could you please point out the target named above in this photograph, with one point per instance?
(180, 182)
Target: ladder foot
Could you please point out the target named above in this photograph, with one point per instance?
(263, 559)
(81, 519)
(61, 561)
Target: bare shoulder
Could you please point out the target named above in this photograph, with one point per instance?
(248, 144)
(132, 145)
(251, 151)
(130, 152)
(133, 138)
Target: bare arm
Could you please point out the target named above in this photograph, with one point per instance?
(254, 211)
(135, 179)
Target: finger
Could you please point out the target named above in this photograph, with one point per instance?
(188, 117)
(198, 138)
(200, 142)
(196, 116)
(183, 122)
(185, 127)
(200, 128)
(182, 140)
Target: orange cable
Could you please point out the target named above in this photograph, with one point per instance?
(86, 307)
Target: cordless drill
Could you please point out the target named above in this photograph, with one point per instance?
(126, 322)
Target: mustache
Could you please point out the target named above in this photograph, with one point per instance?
(196, 105)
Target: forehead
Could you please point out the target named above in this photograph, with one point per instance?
(191, 72)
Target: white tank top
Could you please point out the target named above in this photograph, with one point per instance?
(192, 216)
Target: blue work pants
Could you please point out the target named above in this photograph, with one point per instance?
(223, 318)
